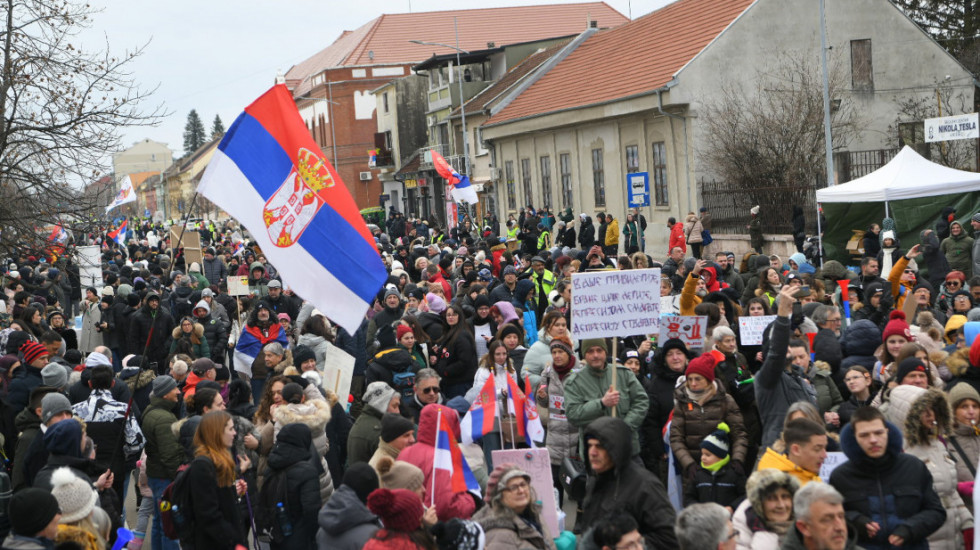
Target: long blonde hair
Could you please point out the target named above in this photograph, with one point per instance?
(208, 442)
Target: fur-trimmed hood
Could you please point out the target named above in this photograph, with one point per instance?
(958, 362)
(763, 482)
(915, 433)
(198, 331)
(315, 413)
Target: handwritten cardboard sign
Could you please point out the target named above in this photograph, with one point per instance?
(690, 329)
(615, 303)
(238, 286)
(750, 329)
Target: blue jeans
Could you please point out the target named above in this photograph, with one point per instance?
(160, 541)
(258, 385)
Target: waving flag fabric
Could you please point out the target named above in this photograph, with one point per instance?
(448, 457)
(126, 194)
(532, 421)
(460, 186)
(58, 235)
(478, 421)
(119, 234)
(251, 342)
(271, 176)
(518, 405)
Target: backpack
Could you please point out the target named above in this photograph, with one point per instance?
(272, 522)
(404, 383)
(176, 513)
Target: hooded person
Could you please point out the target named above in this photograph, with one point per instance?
(366, 431)
(449, 503)
(292, 457)
(381, 332)
(758, 525)
(617, 484)
(667, 366)
(933, 260)
(151, 331)
(958, 249)
(345, 521)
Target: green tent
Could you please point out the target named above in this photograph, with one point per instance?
(909, 189)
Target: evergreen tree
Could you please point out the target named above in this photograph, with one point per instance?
(954, 24)
(194, 135)
(217, 128)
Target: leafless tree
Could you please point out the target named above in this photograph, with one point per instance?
(767, 142)
(908, 128)
(62, 107)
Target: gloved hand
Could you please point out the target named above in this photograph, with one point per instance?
(691, 470)
(968, 538)
(965, 489)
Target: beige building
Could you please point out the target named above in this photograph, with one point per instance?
(180, 181)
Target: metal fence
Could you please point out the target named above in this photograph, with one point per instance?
(729, 206)
(851, 165)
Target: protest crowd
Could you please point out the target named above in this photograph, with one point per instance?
(209, 390)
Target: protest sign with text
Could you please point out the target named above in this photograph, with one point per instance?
(690, 329)
(750, 329)
(615, 303)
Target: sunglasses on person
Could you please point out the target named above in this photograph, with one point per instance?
(433, 389)
(952, 283)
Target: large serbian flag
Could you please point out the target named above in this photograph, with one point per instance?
(529, 424)
(250, 344)
(271, 176)
(460, 187)
(478, 421)
(449, 457)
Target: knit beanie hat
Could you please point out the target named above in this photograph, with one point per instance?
(292, 393)
(717, 442)
(96, 359)
(960, 393)
(499, 478)
(754, 210)
(378, 395)
(162, 385)
(399, 509)
(897, 326)
(54, 376)
(398, 474)
(394, 426)
(52, 404)
(510, 328)
(75, 496)
(33, 350)
(31, 510)
(703, 365)
(909, 365)
(590, 343)
(302, 354)
(402, 330)
(564, 345)
(362, 479)
(436, 304)
(459, 534)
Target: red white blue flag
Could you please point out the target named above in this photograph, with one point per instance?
(459, 185)
(119, 234)
(478, 421)
(271, 176)
(529, 425)
(448, 457)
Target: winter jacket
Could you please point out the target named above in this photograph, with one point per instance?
(364, 435)
(627, 487)
(562, 435)
(692, 423)
(28, 426)
(196, 341)
(586, 234)
(345, 522)
(724, 487)
(870, 244)
(538, 356)
(775, 387)
(292, 455)
(894, 490)
(214, 270)
(163, 452)
(826, 348)
(933, 265)
(828, 396)
(505, 529)
(692, 230)
(19, 395)
(958, 249)
(91, 317)
(976, 256)
(448, 504)
(217, 521)
(858, 343)
(781, 462)
(215, 334)
(17, 542)
(755, 233)
(751, 532)
(387, 363)
(583, 395)
(943, 225)
(457, 359)
(161, 324)
(318, 344)
(969, 442)
(794, 540)
(676, 238)
(315, 413)
(660, 394)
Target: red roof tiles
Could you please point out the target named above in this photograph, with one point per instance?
(385, 40)
(640, 56)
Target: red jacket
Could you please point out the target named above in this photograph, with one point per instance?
(448, 504)
(190, 384)
(677, 238)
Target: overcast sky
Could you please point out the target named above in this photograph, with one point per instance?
(217, 56)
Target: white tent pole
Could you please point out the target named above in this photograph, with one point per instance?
(819, 237)
(886, 210)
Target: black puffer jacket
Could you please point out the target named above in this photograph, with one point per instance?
(858, 343)
(388, 362)
(660, 391)
(292, 455)
(894, 490)
(586, 234)
(161, 324)
(627, 487)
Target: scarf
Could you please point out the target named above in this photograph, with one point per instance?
(700, 397)
(563, 371)
(714, 468)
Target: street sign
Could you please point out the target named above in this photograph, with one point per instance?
(948, 128)
(638, 188)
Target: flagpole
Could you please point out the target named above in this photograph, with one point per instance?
(614, 342)
(432, 493)
(496, 410)
(173, 249)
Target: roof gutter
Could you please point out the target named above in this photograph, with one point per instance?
(687, 155)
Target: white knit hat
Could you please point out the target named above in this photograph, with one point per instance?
(378, 395)
(754, 209)
(75, 496)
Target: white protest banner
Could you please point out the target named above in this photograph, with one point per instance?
(89, 260)
(238, 286)
(615, 303)
(690, 329)
(832, 461)
(338, 371)
(750, 328)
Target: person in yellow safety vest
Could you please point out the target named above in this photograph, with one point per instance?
(544, 239)
(544, 282)
(512, 230)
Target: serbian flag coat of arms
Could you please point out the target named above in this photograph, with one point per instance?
(449, 458)
(270, 175)
(478, 421)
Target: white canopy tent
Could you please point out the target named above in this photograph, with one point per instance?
(907, 176)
